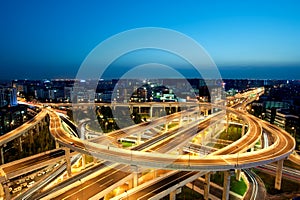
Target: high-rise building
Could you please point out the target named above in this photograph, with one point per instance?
(8, 96)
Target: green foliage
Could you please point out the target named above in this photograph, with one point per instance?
(233, 134)
(238, 187)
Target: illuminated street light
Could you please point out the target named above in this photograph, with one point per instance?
(294, 134)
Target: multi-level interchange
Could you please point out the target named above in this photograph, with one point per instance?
(171, 150)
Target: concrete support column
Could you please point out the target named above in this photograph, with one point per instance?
(135, 171)
(196, 116)
(44, 121)
(37, 129)
(2, 155)
(180, 150)
(41, 126)
(206, 186)
(68, 161)
(203, 135)
(213, 131)
(135, 179)
(226, 185)
(130, 183)
(7, 192)
(173, 195)
(83, 160)
(238, 174)
(180, 121)
(166, 126)
(95, 159)
(139, 138)
(154, 173)
(151, 113)
(20, 143)
(206, 112)
(56, 144)
(278, 174)
(31, 136)
(139, 109)
(131, 108)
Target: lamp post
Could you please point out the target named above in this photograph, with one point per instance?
(294, 134)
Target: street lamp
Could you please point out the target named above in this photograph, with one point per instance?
(106, 123)
(294, 134)
(263, 115)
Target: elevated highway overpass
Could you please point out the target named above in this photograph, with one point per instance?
(181, 162)
(283, 148)
(32, 163)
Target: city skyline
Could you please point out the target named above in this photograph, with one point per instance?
(246, 40)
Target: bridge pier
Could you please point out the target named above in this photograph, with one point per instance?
(68, 161)
(206, 186)
(135, 170)
(37, 129)
(2, 155)
(278, 174)
(180, 151)
(44, 121)
(238, 174)
(95, 159)
(20, 144)
(180, 121)
(196, 116)
(40, 125)
(166, 127)
(214, 129)
(226, 185)
(31, 136)
(139, 138)
(151, 112)
(154, 173)
(172, 195)
(206, 112)
(56, 144)
(7, 192)
(131, 109)
(83, 160)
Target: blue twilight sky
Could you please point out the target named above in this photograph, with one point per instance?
(247, 39)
